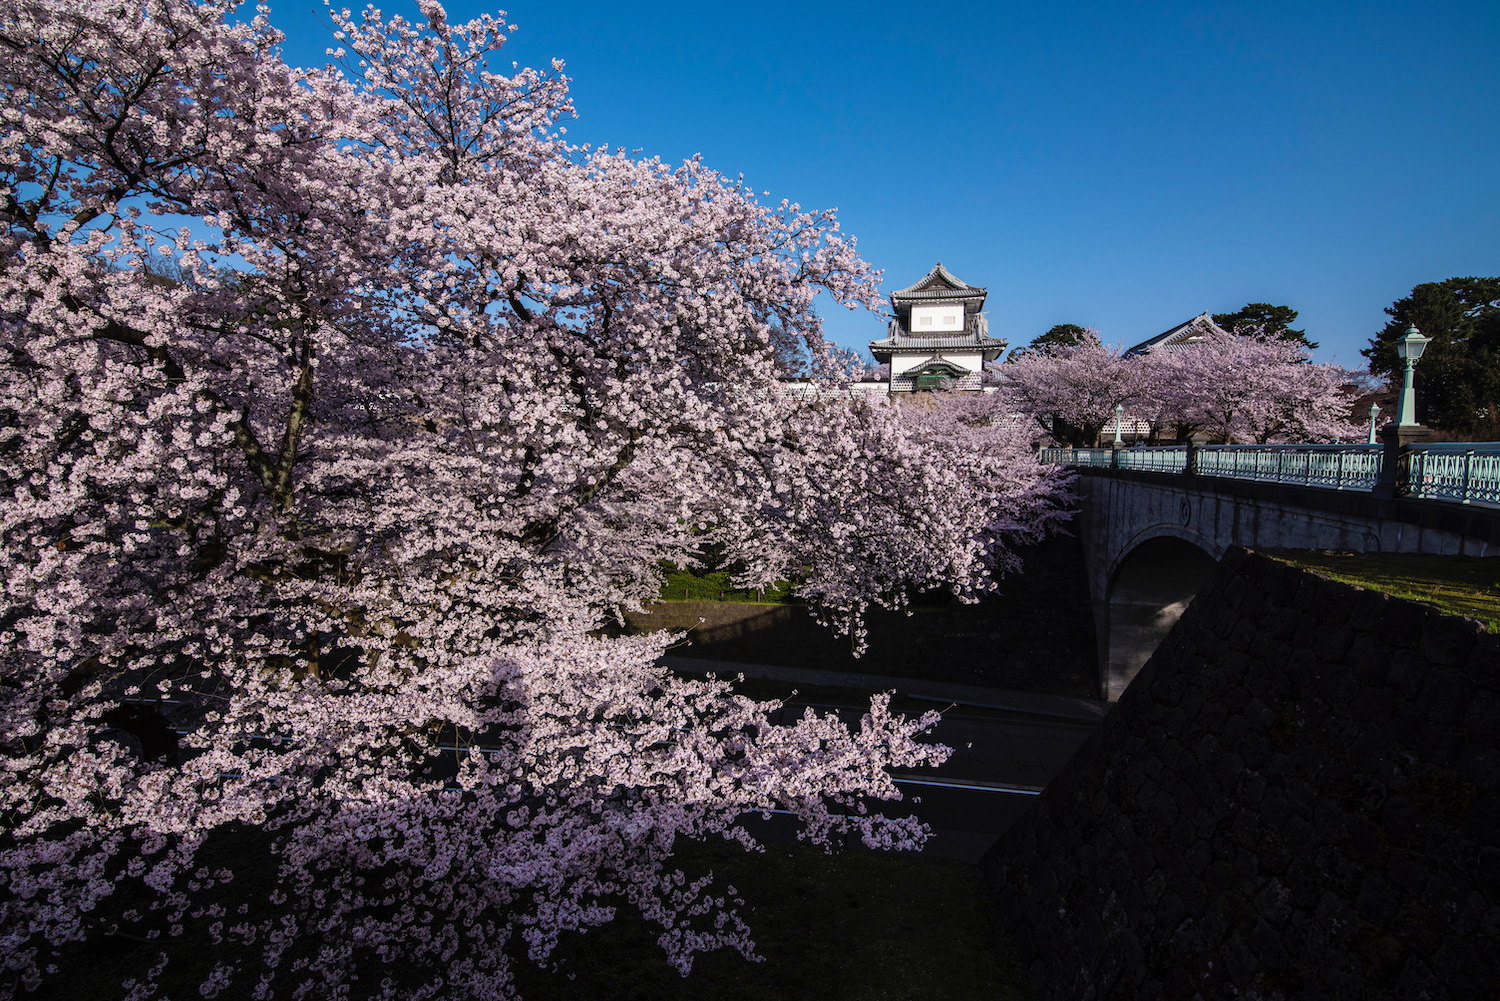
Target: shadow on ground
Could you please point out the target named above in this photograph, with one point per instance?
(1036, 635)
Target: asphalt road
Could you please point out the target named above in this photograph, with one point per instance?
(1000, 762)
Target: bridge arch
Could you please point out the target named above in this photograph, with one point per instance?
(1192, 537)
(1150, 585)
(1122, 510)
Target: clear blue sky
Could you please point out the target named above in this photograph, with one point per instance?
(1120, 165)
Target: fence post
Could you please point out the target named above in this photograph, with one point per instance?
(1468, 465)
(1338, 481)
(1397, 460)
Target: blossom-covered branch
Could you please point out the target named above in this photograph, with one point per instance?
(312, 506)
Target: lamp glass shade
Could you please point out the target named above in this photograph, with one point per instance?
(1411, 346)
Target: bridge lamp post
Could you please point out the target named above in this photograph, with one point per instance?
(1119, 421)
(1410, 349)
(1403, 434)
(1374, 413)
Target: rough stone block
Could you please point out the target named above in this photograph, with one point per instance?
(1408, 871)
(1268, 945)
(1480, 765)
(1239, 962)
(1403, 622)
(1301, 797)
(1374, 705)
(1481, 722)
(1336, 603)
(1367, 658)
(1279, 622)
(1333, 642)
(1335, 915)
(1368, 610)
(1249, 790)
(1447, 639)
(1298, 834)
(1307, 631)
(1463, 970)
(1378, 901)
(1445, 694)
(1255, 750)
(1404, 822)
(1407, 673)
(1331, 822)
(1484, 660)
(1416, 929)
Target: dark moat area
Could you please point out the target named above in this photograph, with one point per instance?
(1036, 634)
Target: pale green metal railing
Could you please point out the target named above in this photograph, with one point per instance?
(1462, 473)
(1468, 474)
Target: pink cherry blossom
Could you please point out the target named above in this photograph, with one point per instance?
(340, 410)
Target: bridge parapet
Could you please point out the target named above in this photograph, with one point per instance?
(1463, 473)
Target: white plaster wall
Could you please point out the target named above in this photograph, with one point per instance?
(970, 360)
(932, 319)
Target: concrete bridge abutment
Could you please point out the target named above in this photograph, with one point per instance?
(1150, 540)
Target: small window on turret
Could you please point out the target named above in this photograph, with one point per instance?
(925, 321)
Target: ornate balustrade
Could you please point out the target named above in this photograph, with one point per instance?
(1339, 467)
(1469, 474)
(1463, 473)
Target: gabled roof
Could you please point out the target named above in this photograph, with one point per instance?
(1180, 336)
(938, 365)
(938, 283)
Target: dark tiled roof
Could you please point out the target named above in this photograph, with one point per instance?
(939, 283)
(941, 293)
(908, 342)
(1179, 335)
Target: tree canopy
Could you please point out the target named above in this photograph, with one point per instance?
(1266, 320)
(1458, 377)
(1228, 387)
(1061, 335)
(311, 532)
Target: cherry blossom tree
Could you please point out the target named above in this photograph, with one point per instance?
(1072, 390)
(339, 409)
(1256, 389)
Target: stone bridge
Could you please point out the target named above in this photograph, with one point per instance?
(1151, 539)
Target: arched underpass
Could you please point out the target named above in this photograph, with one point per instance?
(1150, 589)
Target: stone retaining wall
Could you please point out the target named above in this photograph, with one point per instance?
(1298, 797)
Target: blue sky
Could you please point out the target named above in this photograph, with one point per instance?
(1120, 165)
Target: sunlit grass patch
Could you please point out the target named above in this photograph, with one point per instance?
(1459, 585)
(684, 584)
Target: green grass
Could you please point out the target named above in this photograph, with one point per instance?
(848, 926)
(1459, 585)
(682, 584)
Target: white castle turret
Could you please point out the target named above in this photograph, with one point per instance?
(938, 335)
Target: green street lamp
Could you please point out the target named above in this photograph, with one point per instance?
(1410, 349)
(1119, 420)
(1374, 413)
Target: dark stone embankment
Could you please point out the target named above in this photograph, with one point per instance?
(1298, 797)
(1035, 635)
